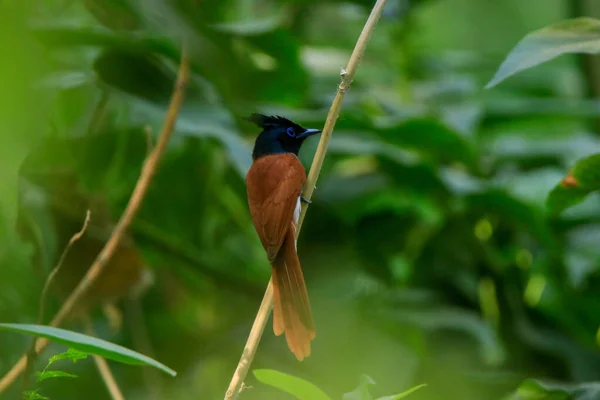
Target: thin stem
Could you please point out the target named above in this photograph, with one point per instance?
(141, 342)
(31, 353)
(262, 316)
(141, 187)
(103, 368)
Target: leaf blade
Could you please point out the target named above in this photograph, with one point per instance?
(295, 386)
(88, 344)
(579, 35)
(403, 394)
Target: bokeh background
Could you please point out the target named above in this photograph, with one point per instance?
(428, 251)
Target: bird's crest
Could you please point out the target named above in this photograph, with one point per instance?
(269, 121)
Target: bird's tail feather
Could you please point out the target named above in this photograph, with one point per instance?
(291, 312)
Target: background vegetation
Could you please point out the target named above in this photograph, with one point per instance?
(430, 253)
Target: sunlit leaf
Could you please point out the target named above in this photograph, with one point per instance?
(34, 395)
(70, 354)
(88, 344)
(581, 35)
(403, 394)
(42, 376)
(300, 388)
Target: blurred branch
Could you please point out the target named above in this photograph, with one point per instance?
(147, 173)
(146, 233)
(141, 341)
(31, 353)
(99, 114)
(347, 75)
(103, 368)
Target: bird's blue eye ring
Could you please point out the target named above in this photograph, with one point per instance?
(290, 132)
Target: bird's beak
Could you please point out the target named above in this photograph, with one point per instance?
(309, 132)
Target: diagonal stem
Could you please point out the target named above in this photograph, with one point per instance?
(141, 187)
(262, 316)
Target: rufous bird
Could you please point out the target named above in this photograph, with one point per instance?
(274, 183)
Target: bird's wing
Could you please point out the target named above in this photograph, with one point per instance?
(274, 184)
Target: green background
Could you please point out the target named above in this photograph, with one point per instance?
(429, 253)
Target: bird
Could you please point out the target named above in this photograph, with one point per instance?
(274, 184)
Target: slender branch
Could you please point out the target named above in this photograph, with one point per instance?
(262, 316)
(141, 342)
(103, 368)
(141, 187)
(31, 354)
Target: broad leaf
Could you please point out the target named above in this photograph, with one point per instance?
(586, 173)
(432, 139)
(300, 388)
(563, 197)
(581, 181)
(88, 344)
(580, 35)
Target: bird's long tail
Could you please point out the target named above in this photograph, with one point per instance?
(291, 311)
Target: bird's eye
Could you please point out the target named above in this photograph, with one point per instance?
(290, 132)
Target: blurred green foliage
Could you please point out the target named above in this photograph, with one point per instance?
(429, 252)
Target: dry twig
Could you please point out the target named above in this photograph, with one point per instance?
(141, 187)
(262, 316)
(31, 354)
(103, 368)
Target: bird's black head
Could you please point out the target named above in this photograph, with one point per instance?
(279, 135)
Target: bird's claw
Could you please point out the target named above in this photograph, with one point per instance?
(304, 200)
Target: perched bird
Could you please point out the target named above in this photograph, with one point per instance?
(274, 183)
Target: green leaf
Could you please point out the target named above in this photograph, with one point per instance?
(403, 394)
(71, 354)
(300, 388)
(362, 391)
(88, 344)
(581, 181)
(514, 212)
(114, 14)
(33, 395)
(432, 138)
(533, 389)
(580, 35)
(563, 197)
(138, 72)
(42, 376)
(587, 172)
